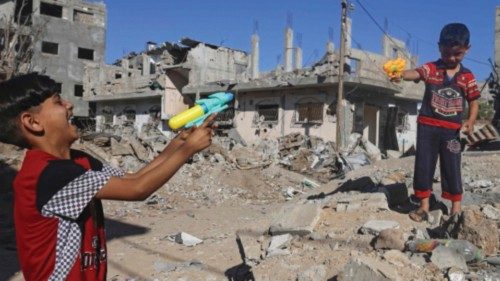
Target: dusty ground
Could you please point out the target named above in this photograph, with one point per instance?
(215, 201)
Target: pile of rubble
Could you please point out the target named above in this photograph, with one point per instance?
(461, 247)
(314, 157)
(348, 229)
(123, 147)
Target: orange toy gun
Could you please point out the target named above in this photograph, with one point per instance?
(394, 68)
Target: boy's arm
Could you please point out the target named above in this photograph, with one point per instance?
(410, 75)
(141, 185)
(468, 126)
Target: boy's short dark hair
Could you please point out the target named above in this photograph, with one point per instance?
(18, 95)
(454, 34)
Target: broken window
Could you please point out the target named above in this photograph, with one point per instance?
(83, 17)
(267, 112)
(394, 53)
(129, 113)
(154, 113)
(23, 11)
(118, 75)
(78, 90)
(86, 54)
(152, 68)
(50, 48)
(107, 112)
(311, 112)
(225, 117)
(51, 10)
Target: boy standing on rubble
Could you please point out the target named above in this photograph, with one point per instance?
(448, 84)
(58, 214)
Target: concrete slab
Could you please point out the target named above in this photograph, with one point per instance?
(296, 219)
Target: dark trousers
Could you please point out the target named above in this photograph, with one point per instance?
(433, 142)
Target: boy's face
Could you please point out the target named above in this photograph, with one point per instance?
(452, 56)
(55, 115)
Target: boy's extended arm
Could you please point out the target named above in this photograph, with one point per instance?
(468, 126)
(142, 184)
(407, 75)
(410, 75)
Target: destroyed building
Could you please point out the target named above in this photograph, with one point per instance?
(147, 87)
(289, 99)
(73, 36)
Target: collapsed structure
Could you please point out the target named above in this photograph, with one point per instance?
(164, 79)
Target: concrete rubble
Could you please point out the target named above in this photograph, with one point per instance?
(293, 212)
(185, 239)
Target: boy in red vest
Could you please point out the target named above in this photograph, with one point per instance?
(448, 84)
(57, 193)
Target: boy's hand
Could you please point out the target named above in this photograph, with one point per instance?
(200, 137)
(184, 134)
(396, 79)
(468, 127)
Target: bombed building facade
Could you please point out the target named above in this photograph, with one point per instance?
(146, 88)
(73, 36)
(160, 82)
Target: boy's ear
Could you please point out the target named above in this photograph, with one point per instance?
(30, 122)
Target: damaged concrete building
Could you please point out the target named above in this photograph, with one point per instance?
(146, 88)
(268, 105)
(73, 36)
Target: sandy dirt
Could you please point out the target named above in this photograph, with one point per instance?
(216, 201)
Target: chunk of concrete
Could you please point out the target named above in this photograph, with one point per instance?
(393, 154)
(250, 247)
(279, 245)
(480, 231)
(119, 148)
(444, 258)
(367, 268)
(374, 227)
(185, 239)
(491, 212)
(296, 219)
(435, 217)
(398, 259)
(140, 151)
(317, 272)
(391, 239)
(349, 201)
(455, 274)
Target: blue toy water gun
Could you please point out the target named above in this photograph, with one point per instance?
(195, 115)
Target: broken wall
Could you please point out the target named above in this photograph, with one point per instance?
(71, 34)
(138, 112)
(214, 64)
(173, 101)
(289, 107)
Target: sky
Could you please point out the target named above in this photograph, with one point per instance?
(130, 24)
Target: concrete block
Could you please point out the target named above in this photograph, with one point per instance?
(374, 227)
(444, 257)
(185, 239)
(296, 219)
(250, 247)
(279, 245)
